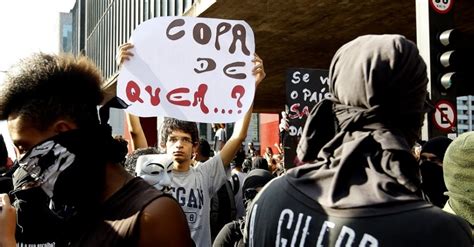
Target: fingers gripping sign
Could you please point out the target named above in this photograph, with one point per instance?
(258, 71)
(124, 53)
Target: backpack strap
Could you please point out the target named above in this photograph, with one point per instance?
(235, 184)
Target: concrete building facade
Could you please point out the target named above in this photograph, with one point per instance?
(465, 108)
(65, 32)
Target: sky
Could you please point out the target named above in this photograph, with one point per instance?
(28, 26)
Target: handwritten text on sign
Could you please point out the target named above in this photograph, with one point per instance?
(305, 88)
(195, 69)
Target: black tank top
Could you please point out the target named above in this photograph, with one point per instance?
(120, 216)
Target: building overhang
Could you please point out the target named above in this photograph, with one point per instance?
(306, 33)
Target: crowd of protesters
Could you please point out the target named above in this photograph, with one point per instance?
(360, 183)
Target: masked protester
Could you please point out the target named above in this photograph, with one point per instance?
(360, 183)
(70, 187)
(156, 169)
(431, 169)
(231, 234)
(459, 177)
(49, 183)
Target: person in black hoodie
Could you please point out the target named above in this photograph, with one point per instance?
(231, 233)
(360, 184)
(431, 168)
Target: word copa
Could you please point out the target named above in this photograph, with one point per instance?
(178, 97)
(202, 35)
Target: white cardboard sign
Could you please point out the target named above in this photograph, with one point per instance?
(194, 69)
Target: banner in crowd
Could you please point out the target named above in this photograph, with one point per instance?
(304, 88)
(195, 69)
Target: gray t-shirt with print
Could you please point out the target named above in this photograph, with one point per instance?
(193, 190)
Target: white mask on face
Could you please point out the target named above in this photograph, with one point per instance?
(156, 169)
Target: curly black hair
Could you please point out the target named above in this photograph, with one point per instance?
(131, 160)
(44, 87)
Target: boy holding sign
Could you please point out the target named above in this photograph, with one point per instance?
(193, 187)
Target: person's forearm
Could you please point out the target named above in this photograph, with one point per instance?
(136, 132)
(241, 127)
(8, 243)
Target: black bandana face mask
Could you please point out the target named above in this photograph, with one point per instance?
(60, 180)
(42, 165)
(37, 223)
(40, 219)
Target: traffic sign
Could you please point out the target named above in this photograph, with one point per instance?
(442, 6)
(444, 117)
